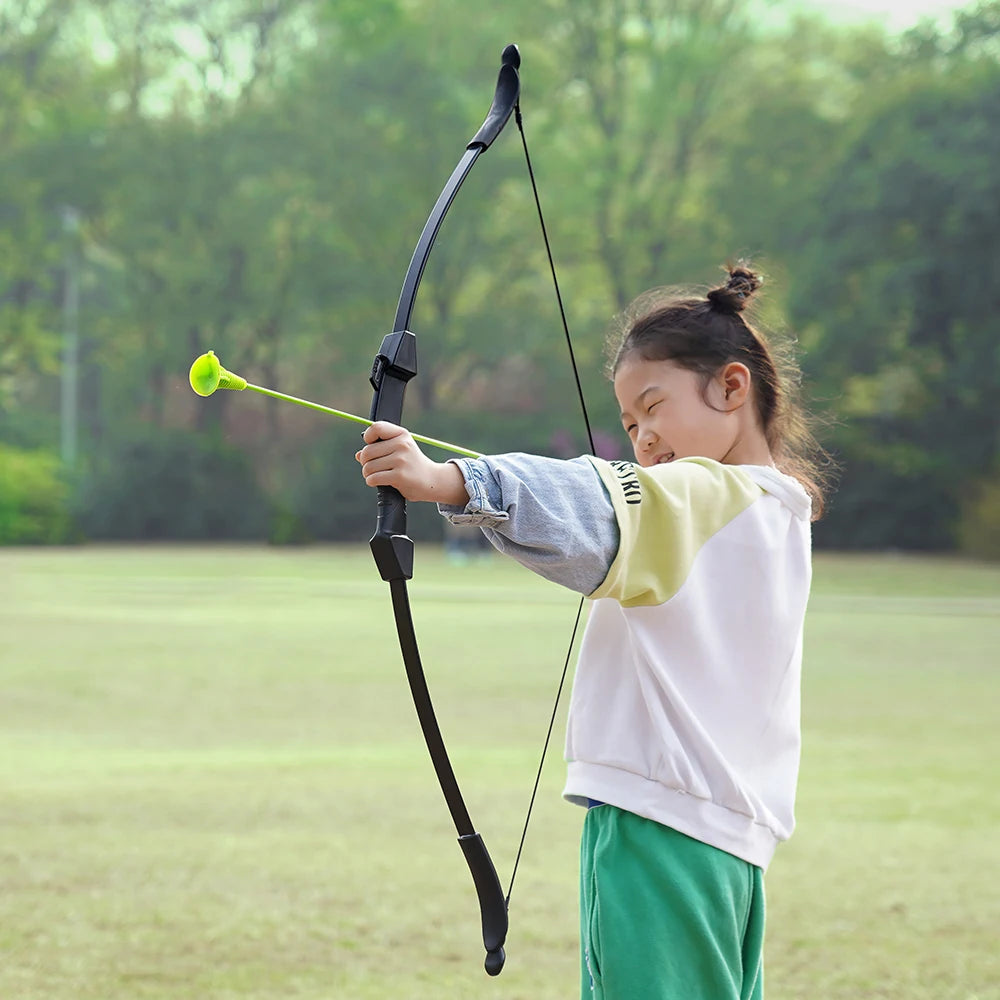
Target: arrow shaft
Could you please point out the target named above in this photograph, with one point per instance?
(309, 405)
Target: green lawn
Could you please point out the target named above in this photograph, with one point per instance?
(212, 784)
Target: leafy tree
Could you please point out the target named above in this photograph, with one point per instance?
(903, 278)
(50, 107)
(251, 176)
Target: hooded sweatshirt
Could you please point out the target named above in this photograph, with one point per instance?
(685, 704)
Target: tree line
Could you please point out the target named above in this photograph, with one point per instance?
(250, 176)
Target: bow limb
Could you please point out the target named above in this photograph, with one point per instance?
(394, 366)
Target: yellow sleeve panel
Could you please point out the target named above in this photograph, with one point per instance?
(666, 514)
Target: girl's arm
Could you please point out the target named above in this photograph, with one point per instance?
(551, 515)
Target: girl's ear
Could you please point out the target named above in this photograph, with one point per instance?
(733, 384)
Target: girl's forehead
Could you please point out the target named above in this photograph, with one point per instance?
(637, 375)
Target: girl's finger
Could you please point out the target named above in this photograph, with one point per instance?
(384, 478)
(379, 449)
(382, 430)
(379, 463)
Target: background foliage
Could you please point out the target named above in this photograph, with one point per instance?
(251, 175)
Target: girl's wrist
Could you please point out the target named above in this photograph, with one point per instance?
(448, 486)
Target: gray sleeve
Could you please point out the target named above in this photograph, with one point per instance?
(551, 515)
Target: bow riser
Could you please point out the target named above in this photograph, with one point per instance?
(393, 367)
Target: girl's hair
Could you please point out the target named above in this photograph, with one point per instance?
(705, 331)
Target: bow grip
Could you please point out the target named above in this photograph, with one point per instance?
(394, 366)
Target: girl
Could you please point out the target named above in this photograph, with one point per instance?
(683, 732)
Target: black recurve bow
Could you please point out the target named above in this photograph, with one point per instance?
(394, 366)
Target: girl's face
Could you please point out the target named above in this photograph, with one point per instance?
(669, 412)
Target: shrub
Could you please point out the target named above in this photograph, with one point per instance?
(33, 498)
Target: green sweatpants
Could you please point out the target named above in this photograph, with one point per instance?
(665, 917)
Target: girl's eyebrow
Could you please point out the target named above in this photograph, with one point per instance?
(642, 395)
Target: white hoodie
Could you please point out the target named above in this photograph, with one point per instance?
(685, 705)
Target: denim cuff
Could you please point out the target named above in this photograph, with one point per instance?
(483, 509)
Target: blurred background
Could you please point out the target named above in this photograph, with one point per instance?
(250, 176)
(211, 783)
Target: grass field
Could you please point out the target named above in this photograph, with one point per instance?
(212, 784)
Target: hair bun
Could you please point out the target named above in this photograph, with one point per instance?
(733, 296)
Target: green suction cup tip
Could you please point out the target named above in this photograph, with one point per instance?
(205, 374)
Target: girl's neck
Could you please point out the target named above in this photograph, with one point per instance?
(750, 448)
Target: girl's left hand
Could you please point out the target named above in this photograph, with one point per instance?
(391, 458)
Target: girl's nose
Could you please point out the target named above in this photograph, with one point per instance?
(647, 436)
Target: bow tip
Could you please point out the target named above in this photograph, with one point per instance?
(494, 962)
(511, 56)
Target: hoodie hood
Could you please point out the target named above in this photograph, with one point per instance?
(785, 488)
